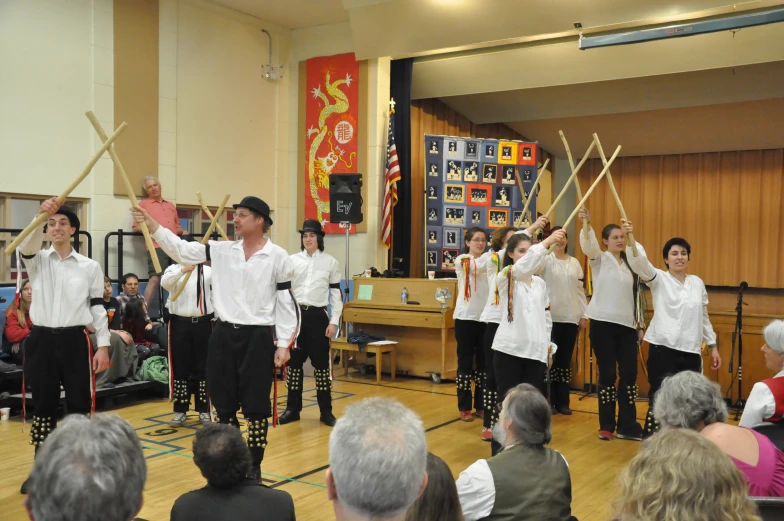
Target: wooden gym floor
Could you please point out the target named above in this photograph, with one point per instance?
(297, 455)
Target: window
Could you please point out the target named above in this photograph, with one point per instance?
(16, 212)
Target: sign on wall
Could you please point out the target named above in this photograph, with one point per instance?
(332, 130)
(472, 182)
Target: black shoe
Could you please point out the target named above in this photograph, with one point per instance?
(255, 474)
(564, 409)
(553, 409)
(328, 419)
(25, 486)
(288, 416)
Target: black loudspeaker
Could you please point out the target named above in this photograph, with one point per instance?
(345, 198)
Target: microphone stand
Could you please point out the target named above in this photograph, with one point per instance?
(737, 335)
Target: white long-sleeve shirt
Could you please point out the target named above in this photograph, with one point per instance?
(311, 279)
(528, 334)
(564, 280)
(471, 309)
(476, 490)
(613, 284)
(680, 311)
(63, 288)
(188, 303)
(492, 311)
(760, 405)
(243, 292)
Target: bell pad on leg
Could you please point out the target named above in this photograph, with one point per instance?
(323, 381)
(181, 394)
(257, 433)
(607, 395)
(463, 382)
(294, 379)
(40, 429)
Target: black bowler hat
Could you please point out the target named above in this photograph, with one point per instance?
(72, 218)
(257, 205)
(312, 225)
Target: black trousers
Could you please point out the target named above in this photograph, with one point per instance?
(312, 343)
(511, 371)
(189, 343)
(470, 349)
(54, 358)
(663, 362)
(616, 346)
(491, 397)
(240, 367)
(564, 335)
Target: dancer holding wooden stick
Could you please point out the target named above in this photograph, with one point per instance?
(251, 295)
(680, 322)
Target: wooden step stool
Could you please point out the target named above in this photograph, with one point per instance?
(341, 345)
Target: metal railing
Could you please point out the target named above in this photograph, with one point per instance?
(121, 235)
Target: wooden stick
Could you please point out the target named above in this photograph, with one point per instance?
(203, 241)
(571, 178)
(128, 190)
(588, 193)
(571, 165)
(632, 242)
(210, 216)
(42, 217)
(527, 201)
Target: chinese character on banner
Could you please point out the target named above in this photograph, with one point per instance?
(331, 139)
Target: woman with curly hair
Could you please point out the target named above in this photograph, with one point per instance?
(680, 475)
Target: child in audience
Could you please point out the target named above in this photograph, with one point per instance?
(439, 501)
(135, 323)
(18, 324)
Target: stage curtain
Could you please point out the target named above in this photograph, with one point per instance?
(400, 90)
(727, 205)
(431, 116)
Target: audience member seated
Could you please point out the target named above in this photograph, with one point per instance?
(224, 460)
(766, 401)
(525, 480)
(377, 458)
(439, 501)
(88, 470)
(679, 475)
(688, 400)
(158, 333)
(18, 325)
(136, 325)
(122, 349)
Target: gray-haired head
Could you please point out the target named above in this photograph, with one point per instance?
(529, 416)
(377, 458)
(689, 400)
(774, 335)
(88, 470)
(144, 182)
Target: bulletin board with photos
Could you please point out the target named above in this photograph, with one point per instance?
(472, 182)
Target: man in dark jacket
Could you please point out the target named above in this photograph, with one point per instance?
(224, 460)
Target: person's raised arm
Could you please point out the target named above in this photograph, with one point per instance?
(32, 244)
(183, 252)
(173, 275)
(588, 242)
(532, 261)
(640, 263)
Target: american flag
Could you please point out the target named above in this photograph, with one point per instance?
(392, 176)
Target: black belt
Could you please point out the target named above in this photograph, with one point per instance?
(303, 306)
(194, 320)
(239, 326)
(60, 330)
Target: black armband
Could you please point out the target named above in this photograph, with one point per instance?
(654, 277)
(96, 301)
(335, 285)
(207, 251)
(28, 257)
(283, 286)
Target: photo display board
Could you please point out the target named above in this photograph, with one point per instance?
(472, 182)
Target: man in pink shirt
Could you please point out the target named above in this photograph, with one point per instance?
(165, 213)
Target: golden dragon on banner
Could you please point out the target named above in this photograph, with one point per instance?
(319, 168)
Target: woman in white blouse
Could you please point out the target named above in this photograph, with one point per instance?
(680, 320)
(522, 341)
(564, 277)
(766, 401)
(491, 315)
(472, 290)
(615, 333)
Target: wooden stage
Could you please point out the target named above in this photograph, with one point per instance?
(298, 456)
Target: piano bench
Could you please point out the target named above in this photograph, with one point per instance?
(342, 345)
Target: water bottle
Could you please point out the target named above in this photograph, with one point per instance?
(404, 296)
